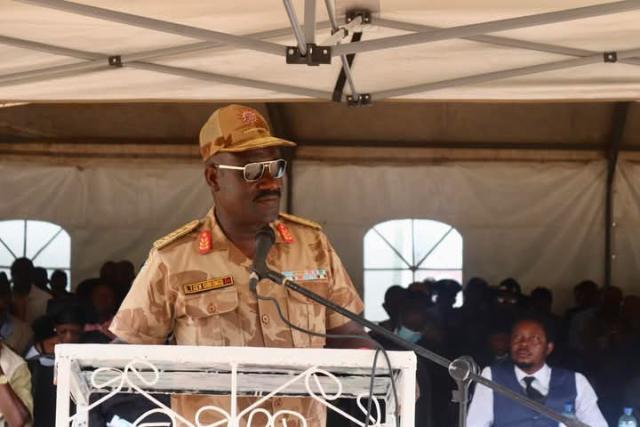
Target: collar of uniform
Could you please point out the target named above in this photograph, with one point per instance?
(219, 240)
(542, 376)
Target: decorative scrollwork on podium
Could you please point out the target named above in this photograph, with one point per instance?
(140, 374)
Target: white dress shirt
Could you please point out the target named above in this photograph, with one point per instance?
(481, 409)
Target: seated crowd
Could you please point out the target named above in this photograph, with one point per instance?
(599, 337)
(36, 313)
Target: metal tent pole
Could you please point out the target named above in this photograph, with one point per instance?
(488, 27)
(99, 61)
(501, 41)
(346, 64)
(183, 72)
(620, 115)
(310, 21)
(159, 25)
(498, 75)
(295, 26)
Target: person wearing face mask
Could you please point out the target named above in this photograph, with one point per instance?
(415, 325)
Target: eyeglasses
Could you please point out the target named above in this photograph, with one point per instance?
(252, 172)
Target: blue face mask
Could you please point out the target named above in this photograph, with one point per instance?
(407, 334)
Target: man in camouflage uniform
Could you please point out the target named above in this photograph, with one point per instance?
(195, 281)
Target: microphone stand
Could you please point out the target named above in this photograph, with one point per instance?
(463, 370)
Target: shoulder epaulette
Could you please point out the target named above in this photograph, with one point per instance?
(302, 221)
(176, 234)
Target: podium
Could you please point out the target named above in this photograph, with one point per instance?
(324, 375)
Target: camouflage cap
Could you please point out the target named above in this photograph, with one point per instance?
(237, 128)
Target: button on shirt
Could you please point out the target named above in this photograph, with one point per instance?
(481, 408)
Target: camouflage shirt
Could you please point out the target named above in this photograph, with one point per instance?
(204, 299)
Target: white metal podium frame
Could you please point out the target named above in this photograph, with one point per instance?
(321, 374)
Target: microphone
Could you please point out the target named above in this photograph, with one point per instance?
(264, 240)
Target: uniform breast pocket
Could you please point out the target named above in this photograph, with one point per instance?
(307, 314)
(210, 318)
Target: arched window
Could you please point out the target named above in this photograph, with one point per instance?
(47, 245)
(403, 251)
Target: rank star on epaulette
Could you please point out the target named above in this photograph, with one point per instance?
(204, 242)
(284, 232)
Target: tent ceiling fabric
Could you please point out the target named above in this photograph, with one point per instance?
(169, 131)
(450, 68)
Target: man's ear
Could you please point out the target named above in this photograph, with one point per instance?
(211, 176)
(550, 348)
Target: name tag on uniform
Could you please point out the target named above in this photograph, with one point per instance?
(207, 285)
(305, 275)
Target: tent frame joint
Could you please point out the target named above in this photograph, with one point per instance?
(360, 100)
(610, 56)
(365, 14)
(115, 61)
(315, 55)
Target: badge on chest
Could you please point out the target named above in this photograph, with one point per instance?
(306, 275)
(207, 285)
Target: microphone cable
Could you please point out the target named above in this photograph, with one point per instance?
(379, 349)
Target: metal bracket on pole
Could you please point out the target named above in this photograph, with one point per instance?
(363, 13)
(359, 101)
(610, 56)
(115, 61)
(315, 55)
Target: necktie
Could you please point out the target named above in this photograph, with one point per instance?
(531, 392)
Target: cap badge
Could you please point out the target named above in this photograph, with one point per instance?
(204, 242)
(248, 117)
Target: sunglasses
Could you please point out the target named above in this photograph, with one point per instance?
(252, 172)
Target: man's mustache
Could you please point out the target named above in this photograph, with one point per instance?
(267, 193)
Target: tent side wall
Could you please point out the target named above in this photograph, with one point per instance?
(541, 222)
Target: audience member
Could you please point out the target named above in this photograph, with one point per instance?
(41, 279)
(68, 322)
(15, 389)
(600, 336)
(541, 301)
(29, 302)
(424, 287)
(44, 341)
(103, 305)
(14, 332)
(476, 311)
(124, 274)
(59, 283)
(528, 374)
(585, 295)
(415, 326)
(394, 300)
(495, 347)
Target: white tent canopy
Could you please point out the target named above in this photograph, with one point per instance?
(466, 50)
